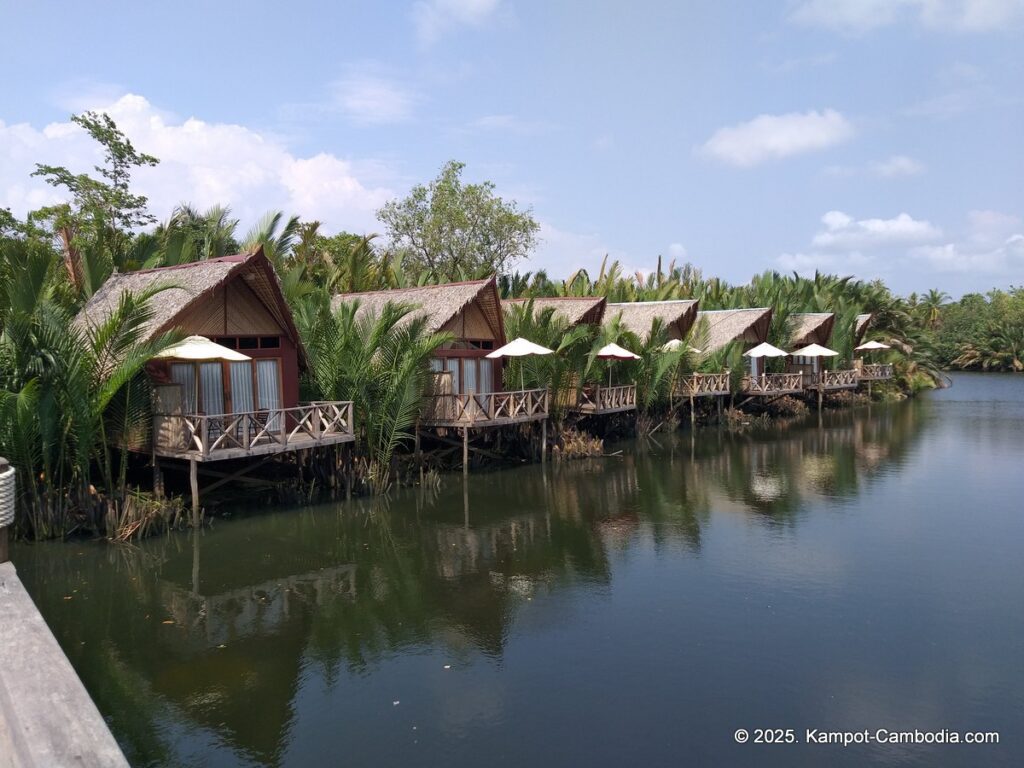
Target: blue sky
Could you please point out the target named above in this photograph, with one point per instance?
(866, 137)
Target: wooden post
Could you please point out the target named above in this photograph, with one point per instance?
(821, 395)
(543, 441)
(193, 479)
(693, 414)
(158, 478)
(465, 450)
(719, 400)
(869, 389)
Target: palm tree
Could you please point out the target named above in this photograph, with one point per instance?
(380, 362)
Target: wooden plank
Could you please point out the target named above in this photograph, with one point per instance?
(46, 716)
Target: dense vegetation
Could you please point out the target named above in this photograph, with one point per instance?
(68, 392)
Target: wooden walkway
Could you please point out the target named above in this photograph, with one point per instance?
(488, 409)
(47, 719)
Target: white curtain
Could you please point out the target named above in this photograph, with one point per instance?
(211, 388)
(184, 374)
(452, 364)
(486, 375)
(269, 391)
(469, 369)
(241, 388)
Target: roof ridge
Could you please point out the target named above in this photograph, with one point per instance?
(434, 286)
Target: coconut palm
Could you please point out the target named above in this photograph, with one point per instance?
(380, 362)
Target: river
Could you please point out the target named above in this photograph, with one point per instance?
(862, 571)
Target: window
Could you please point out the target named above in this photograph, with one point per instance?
(270, 342)
(248, 342)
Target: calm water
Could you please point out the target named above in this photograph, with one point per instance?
(861, 573)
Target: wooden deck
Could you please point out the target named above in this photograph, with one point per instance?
(46, 716)
(875, 372)
(487, 409)
(598, 401)
(773, 384)
(831, 380)
(203, 437)
(704, 385)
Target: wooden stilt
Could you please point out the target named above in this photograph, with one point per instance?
(465, 450)
(821, 397)
(193, 479)
(158, 478)
(719, 401)
(869, 389)
(543, 441)
(693, 413)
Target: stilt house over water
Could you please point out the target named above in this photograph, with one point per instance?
(467, 388)
(213, 409)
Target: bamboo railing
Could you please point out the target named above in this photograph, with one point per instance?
(209, 437)
(773, 384)
(704, 384)
(875, 371)
(480, 408)
(844, 379)
(607, 399)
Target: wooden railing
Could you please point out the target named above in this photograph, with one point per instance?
(475, 408)
(773, 384)
(836, 379)
(701, 384)
(875, 371)
(608, 399)
(229, 435)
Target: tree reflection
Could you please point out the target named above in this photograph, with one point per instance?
(216, 633)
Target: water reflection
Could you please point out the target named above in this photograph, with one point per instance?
(201, 648)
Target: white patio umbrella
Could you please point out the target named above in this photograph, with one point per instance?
(869, 345)
(201, 348)
(764, 349)
(814, 350)
(675, 344)
(614, 352)
(520, 348)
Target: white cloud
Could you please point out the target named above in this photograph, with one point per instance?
(892, 167)
(509, 124)
(897, 165)
(842, 232)
(768, 137)
(368, 98)
(677, 251)
(1006, 259)
(200, 162)
(859, 16)
(807, 264)
(434, 18)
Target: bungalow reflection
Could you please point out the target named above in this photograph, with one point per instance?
(221, 631)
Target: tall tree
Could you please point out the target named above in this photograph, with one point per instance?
(96, 225)
(452, 230)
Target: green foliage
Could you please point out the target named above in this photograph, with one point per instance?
(380, 362)
(455, 231)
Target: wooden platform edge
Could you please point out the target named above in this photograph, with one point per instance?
(47, 718)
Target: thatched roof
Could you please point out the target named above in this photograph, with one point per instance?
(189, 284)
(440, 304)
(575, 309)
(812, 328)
(724, 326)
(860, 327)
(637, 316)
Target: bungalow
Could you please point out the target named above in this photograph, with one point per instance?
(816, 328)
(588, 400)
(677, 315)
(214, 409)
(467, 389)
(575, 310)
(714, 330)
